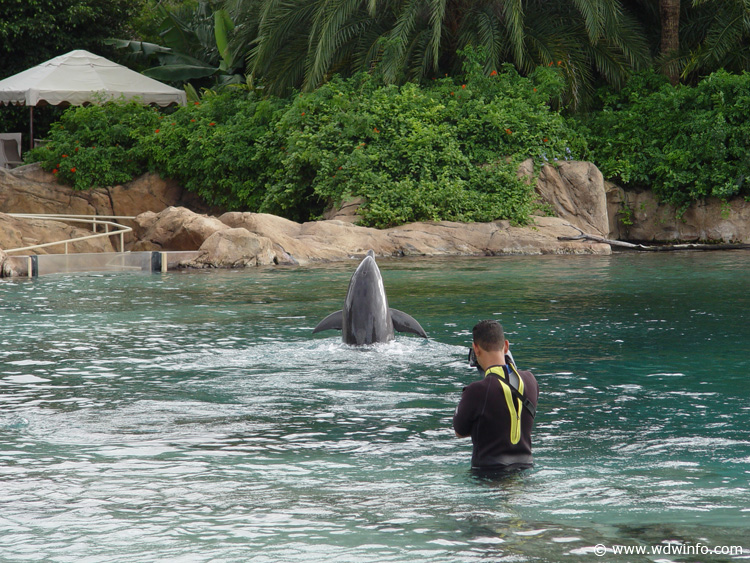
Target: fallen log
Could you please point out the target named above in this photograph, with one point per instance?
(653, 248)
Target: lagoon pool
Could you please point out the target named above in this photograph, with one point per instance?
(193, 417)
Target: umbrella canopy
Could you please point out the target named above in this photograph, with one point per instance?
(79, 78)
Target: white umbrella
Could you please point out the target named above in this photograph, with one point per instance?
(80, 78)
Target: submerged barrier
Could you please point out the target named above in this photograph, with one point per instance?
(45, 264)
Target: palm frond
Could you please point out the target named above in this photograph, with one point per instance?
(513, 18)
(326, 37)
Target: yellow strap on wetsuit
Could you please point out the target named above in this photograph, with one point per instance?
(513, 409)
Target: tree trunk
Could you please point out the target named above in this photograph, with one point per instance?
(670, 37)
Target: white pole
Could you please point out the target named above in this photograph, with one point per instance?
(31, 127)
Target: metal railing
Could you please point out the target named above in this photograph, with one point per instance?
(106, 221)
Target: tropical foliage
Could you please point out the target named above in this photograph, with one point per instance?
(33, 31)
(193, 47)
(302, 42)
(447, 151)
(711, 35)
(684, 143)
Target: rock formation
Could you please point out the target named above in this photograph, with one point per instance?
(267, 239)
(19, 233)
(29, 189)
(167, 218)
(575, 190)
(640, 217)
(174, 228)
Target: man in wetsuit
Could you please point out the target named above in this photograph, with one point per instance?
(497, 417)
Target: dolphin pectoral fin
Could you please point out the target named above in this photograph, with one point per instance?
(406, 323)
(334, 321)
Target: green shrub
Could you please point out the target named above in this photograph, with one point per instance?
(684, 143)
(97, 145)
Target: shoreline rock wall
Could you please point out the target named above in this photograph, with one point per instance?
(169, 218)
(640, 217)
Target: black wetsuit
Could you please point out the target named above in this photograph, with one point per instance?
(484, 413)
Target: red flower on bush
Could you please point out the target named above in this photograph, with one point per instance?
(192, 121)
(54, 170)
(375, 130)
(156, 131)
(463, 86)
(211, 124)
(545, 139)
(65, 156)
(76, 149)
(509, 132)
(73, 170)
(493, 73)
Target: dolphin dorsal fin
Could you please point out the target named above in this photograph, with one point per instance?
(404, 322)
(334, 321)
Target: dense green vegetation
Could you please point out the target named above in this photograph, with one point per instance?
(33, 31)
(302, 43)
(447, 151)
(685, 143)
(423, 108)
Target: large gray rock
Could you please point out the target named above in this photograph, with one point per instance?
(235, 248)
(576, 192)
(498, 237)
(282, 232)
(175, 228)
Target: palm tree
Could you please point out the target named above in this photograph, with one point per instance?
(299, 43)
(692, 38)
(719, 34)
(669, 11)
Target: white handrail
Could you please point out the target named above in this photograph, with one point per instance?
(93, 220)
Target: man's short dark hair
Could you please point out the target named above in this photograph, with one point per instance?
(489, 335)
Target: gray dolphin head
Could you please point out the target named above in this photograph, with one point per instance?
(366, 317)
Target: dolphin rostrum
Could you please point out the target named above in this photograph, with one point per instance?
(366, 317)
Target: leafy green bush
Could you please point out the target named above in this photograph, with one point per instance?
(97, 145)
(449, 151)
(685, 143)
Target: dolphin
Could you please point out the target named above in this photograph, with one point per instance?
(366, 317)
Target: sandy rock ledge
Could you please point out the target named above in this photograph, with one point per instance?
(243, 239)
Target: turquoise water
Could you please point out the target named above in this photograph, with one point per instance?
(193, 417)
